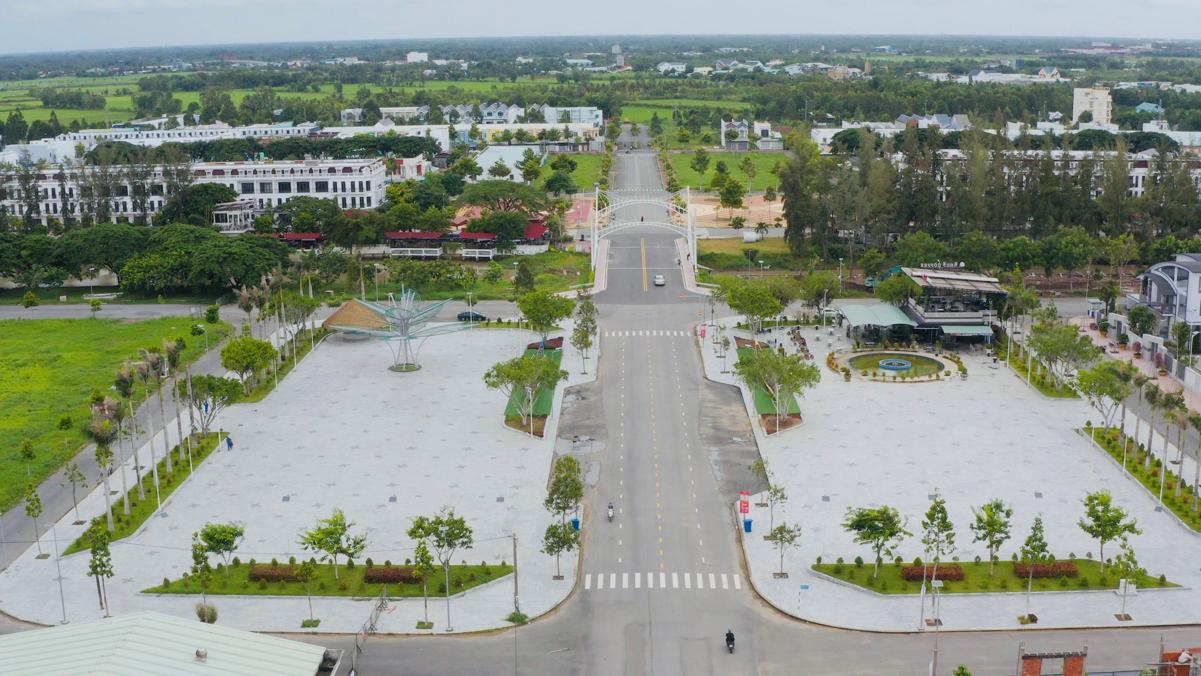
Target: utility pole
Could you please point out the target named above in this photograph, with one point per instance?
(516, 599)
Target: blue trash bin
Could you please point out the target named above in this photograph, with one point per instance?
(575, 523)
(746, 525)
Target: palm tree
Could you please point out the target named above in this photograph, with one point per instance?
(1139, 379)
(1172, 404)
(111, 409)
(145, 374)
(102, 431)
(156, 365)
(1125, 373)
(1154, 398)
(173, 350)
(246, 304)
(131, 434)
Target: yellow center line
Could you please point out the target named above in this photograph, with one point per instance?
(642, 246)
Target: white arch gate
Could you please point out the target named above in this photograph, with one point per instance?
(681, 220)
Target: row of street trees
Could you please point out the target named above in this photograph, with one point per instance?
(883, 529)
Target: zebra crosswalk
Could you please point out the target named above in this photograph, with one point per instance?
(647, 333)
(662, 580)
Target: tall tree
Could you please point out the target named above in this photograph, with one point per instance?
(991, 525)
(1105, 522)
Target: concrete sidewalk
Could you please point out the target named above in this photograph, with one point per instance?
(341, 430)
(866, 443)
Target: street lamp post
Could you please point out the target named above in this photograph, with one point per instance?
(840, 275)
(760, 267)
(62, 599)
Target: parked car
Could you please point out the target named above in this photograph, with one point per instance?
(471, 316)
(659, 281)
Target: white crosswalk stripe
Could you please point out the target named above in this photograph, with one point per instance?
(647, 333)
(689, 581)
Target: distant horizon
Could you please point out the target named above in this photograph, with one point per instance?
(70, 26)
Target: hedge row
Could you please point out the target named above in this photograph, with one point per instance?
(1046, 570)
(268, 573)
(391, 575)
(950, 573)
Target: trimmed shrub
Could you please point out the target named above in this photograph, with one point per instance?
(272, 573)
(1047, 570)
(391, 575)
(949, 573)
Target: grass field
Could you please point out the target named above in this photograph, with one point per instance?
(764, 163)
(75, 295)
(764, 404)
(735, 245)
(587, 171)
(22, 95)
(977, 579)
(234, 580)
(49, 368)
(732, 254)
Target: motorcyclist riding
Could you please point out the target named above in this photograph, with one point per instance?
(730, 640)
(610, 511)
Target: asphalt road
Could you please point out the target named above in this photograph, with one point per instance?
(673, 476)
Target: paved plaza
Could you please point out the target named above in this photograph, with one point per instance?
(990, 436)
(342, 431)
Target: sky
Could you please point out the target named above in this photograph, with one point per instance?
(68, 25)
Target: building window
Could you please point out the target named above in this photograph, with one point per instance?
(368, 200)
(265, 188)
(285, 187)
(248, 188)
(321, 186)
(302, 186)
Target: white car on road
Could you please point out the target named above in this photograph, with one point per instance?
(659, 281)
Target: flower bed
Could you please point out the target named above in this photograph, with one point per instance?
(951, 573)
(1182, 506)
(269, 573)
(1047, 570)
(391, 575)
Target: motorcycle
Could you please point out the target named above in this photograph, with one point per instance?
(730, 643)
(610, 512)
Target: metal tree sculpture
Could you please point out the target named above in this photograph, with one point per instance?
(404, 324)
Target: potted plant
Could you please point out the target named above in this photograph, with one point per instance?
(1123, 339)
(1103, 327)
(846, 374)
(1138, 350)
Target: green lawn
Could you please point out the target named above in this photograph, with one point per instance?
(587, 171)
(543, 399)
(141, 510)
(234, 580)
(764, 403)
(1111, 440)
(49, 368)
(75, 296)
(977, 579)
(764, 163)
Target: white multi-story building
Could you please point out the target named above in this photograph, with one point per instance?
(417, 57)
(205, 132)
(1095, 100)
(351, 184)
(1141, 166)
(571, 114)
